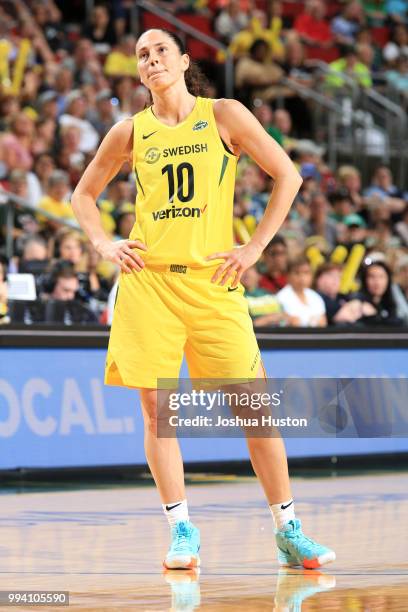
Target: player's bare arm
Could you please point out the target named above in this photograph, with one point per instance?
(242, 131)
(114, 151)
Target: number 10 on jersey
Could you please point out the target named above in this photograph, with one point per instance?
(185, 181)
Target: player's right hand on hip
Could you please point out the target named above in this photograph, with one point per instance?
(122, 252)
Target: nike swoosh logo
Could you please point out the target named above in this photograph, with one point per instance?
(168, 508)
(232, 288)
(148, 135)
(287, 505)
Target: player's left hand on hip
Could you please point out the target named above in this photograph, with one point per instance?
(235, 263)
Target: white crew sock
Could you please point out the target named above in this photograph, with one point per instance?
(282, 513)
(176, 511)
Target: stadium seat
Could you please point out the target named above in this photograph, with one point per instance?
(326, 55)
(381, 35)
(292, 9)
(197, 49)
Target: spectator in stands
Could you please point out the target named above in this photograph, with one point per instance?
(34, 259)
(375, 12)
(263, 307)
(84, 63)
(9, 107)
(64, 284)
(340, 309)
(382, 237)
(55, 200)
(123, 88)
(342, 205)
(398, 78)
(48, 18)
(230, 21)
(294, 63)
(309, 158)
(257, 29)
(139, 99)
(397, 46)
(263, 112)
(45, 136)
(397, 11)
(365, 55)
(258, 76)
(44, 165)
(355, 230)
(72, 249)
(350, 65)
(63, 66)
(125, 220)
(270, 33)
(276, 263)
(104, 117)
(376, 292)
(64, 81)
(298, 300)
(16, 145)
(18, 184)
(349, 178)
(100, 29)
(365, 37)
(242, 41)
(300, 73)
(312, 26)
(401, 227)
(319, 223)
(75, 115)
(309, 187)
(120, 191)
(251, 197)
(34, 250)
(70, 156)
(402, 275)
(47, 105)
(346, 25)
(283, 123)
(122, 61)
(383, 189)
(63, 287)
(27, 29)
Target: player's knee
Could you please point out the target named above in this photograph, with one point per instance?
(149, 409)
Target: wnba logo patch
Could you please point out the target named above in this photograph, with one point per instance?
(152, 155)
(200, 125)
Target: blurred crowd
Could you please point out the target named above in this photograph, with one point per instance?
(341, 257)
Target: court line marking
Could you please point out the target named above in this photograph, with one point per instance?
(158, 573)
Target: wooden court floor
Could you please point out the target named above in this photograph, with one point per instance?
(105, 547)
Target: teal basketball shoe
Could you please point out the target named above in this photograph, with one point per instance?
(184, 547)
(294, 548)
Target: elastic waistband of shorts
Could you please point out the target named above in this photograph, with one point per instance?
(183, 271)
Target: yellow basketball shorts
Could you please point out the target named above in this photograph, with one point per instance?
(164, 312)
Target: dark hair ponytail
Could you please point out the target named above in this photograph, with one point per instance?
(196, 81)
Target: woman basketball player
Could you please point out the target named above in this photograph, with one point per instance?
(179, 288)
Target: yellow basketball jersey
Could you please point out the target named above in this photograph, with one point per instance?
(185, 180)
